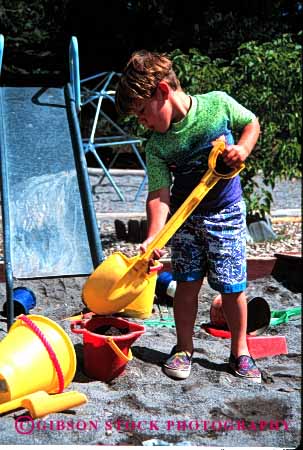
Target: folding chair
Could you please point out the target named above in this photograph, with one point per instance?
(94, 96)
(1, 50)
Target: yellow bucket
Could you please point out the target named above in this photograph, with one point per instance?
(36, 355)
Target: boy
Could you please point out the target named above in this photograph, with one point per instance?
(212, 240)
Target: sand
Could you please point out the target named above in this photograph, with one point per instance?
(143, 406)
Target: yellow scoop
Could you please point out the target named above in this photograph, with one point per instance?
(118, 280)
(40, 403)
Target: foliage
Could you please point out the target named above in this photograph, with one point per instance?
(228, 26)
(266, 78)
(32, 30)
(37, 32)
(32, 21)
(214, 27)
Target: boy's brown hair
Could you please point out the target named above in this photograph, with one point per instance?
(141, 77)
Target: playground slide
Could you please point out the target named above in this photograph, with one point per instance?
(46, 225)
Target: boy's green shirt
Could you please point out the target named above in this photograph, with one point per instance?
(186, 145)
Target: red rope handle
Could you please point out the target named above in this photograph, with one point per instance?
(49, 349)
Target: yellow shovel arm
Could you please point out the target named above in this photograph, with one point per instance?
(182, 213)
(210, 178)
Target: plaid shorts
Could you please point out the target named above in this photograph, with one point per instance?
(212, 244)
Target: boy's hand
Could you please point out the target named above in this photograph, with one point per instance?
(234, 155)
(157, 254)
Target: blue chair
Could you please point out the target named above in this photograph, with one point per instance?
(86, 94)
(1, 50)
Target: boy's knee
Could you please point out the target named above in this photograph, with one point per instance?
(233, 296)
(188, 288)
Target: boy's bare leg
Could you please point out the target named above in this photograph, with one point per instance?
(235, 311)
(185, 312)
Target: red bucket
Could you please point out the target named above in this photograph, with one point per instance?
(105, 356)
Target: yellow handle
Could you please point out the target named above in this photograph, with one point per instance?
(210, 178)
(216, 151)
(118, 351)
(40, 403)
(49, 404)
(12, 404)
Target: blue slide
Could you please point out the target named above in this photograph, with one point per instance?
(49, 223)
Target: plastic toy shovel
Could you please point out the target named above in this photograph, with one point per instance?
(118, 280)
(40, 403)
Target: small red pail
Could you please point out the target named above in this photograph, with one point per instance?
(106, 356)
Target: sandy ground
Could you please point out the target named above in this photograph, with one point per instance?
(210, 408)
(143, 406)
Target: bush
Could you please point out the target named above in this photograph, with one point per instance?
(33, 32)
(267, 79)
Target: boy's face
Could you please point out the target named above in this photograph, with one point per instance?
(156, 113)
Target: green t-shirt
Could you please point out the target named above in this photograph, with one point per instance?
(186, 145)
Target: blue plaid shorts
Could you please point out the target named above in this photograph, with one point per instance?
(212, 244)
